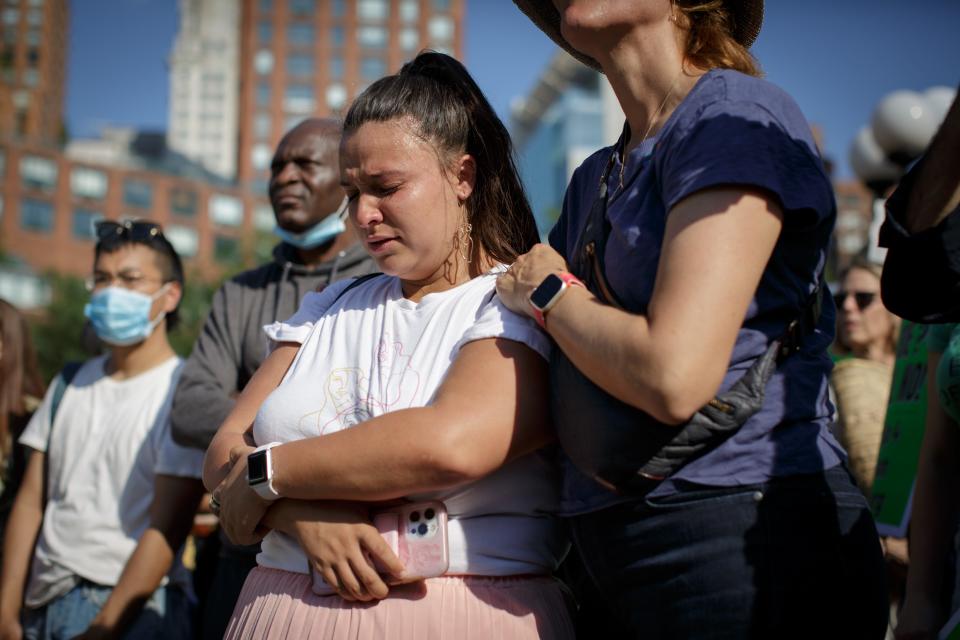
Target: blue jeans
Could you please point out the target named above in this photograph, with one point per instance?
(165, 615)
(796, 557)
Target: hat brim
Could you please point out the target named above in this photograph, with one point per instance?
(746, 16)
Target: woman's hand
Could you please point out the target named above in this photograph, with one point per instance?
(516, 284)
(341, 545)
(241, 508)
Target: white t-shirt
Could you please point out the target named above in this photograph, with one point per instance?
(110, 439)
(372, 352)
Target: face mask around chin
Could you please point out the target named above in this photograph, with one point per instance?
(122, 317)
(320, 233)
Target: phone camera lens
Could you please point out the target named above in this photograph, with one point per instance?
(422, 529)
(415, 516)
(428, 514)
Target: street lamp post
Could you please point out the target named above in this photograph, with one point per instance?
(902, 126)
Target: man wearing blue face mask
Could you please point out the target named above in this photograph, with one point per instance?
(103, 467)
(315, 250)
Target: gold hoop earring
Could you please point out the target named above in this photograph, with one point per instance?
(465, 241)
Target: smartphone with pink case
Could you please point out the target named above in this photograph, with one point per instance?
(417, 533)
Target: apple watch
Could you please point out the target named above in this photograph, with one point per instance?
(260, 471)
(549, 292)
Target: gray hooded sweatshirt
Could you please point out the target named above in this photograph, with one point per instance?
(232, 344)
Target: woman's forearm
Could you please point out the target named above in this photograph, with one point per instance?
(232, 433)
(468, 431)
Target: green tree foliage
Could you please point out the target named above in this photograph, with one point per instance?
(58, 334)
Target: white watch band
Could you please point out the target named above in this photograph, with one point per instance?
(264, 488)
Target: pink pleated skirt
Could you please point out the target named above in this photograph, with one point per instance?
(280, 604)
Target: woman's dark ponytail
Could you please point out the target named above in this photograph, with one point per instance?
(437, 92)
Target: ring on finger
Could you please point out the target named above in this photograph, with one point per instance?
(214, 505)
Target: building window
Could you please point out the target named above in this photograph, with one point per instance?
(336, 67)
(372, 68)
(184, 239)
(336, 36)
(38, 173)
(338, 8)
(372, 37)
(3, 163)
(263, 95)
(30, 77)
(299, 65)
(409, 10)
(262, 126)
(226, 210)
(264, 32)
(266, 7)
(373, 10)
(299, 99)
(11, 16)
(300, 34)
(441, 5)
(263, 62)
(88, 183)
(301, 7)
(83, 222)
(36, 215)
(35, 17)
(137, 193)
(260, 156)
(440, 29)
(263, 218)
(409, 39)
(336, 96)
(291, 121)
(225, 249)
(183, 201)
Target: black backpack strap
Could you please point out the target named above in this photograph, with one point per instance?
(357, 282)
(61, 382)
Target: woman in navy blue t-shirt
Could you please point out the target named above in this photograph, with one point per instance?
(716, 214)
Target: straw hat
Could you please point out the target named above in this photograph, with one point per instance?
(746, 15)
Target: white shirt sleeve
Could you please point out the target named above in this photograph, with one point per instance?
(36, 435)
(313, 305)
(174, 460)
(495, 320)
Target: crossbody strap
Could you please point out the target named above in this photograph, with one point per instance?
(60, 384)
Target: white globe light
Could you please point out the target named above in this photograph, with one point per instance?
(903, 125)
(938, 101)
(869, 161)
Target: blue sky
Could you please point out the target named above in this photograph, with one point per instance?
(837, 58)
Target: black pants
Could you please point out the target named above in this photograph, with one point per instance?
(797, 557)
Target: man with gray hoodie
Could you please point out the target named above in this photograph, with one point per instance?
(316, 250)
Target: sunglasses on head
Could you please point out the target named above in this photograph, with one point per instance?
(136, 230)
(863, 299)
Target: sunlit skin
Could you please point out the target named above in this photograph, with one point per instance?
(405, 207)
(304, 176)
(866, 333)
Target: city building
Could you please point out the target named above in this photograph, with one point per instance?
(301, 58)
(204, 80)
(570, 113)
(33, 46)
(50, 202)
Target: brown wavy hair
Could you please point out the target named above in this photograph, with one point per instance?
(19, 376)
(710, 43)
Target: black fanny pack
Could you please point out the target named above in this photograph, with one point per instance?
(620, 446)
